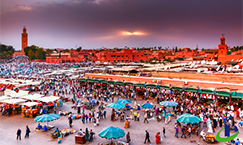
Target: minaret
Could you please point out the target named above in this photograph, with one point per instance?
(24, 39)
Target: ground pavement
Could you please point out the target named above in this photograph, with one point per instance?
(9, 126)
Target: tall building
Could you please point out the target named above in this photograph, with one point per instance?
(24, 39)
(24, 43)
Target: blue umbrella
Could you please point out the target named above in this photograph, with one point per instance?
(76, 66)
(116, 105)
(124, 101)
(147, 106)
(168, 103)
(188, 118)
(21, 65)
(47, 117)
(111, 133)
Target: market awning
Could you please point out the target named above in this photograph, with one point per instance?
(176, 88)
(236, 95)
(151, 86)
(139, 85)
(119, 83)
(128, 83)
(29, 104)
(164, 87)
(103, 81)
(82, 80)
(222, 93)
(111, 82)
(191, 90)
(204, 91)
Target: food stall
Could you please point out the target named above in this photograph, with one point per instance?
(30, 109)
(12, 106)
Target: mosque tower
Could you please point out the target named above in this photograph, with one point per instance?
(24, 39)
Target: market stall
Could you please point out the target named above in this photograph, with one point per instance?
(29, 109)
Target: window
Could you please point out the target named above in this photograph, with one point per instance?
(122, 60)
(85, 55)
(114, 60)
(108, 60)
(126, 60)
(137, 55)
(126, 55)
(133, 55)
(104, 55)
(118, 55)
(122, 55)
(114, 55)
(118, 61)
(142, 55)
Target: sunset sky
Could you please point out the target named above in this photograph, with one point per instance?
(120, 23)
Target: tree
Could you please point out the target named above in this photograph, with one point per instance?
(49, 51)
(176, 49)
(79, 49)
(40, 54)
(28, 48)
(66, 50)
(31, 55)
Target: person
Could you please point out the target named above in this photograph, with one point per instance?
(189, 132)
(27, 132)
(164, 132)
(128, 137)
(104, 114)
(127, 124)
(70, 121)
(147, 136)
(237, 142)
(39, 127)
(19, 134)
(45, 128)
(157, 138)
(91, 135)
(138, 116)
(183, 132)
(80, 132)
(145, 117)
(176, 131)
(240, 124)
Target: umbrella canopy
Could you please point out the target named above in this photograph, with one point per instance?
(188, 118)
(205, 91)
(164, 87)
(116, 105)
(86, 134)
(128, 83)
(119, 83)
(147, 106)
(236, 95)
(191, 90)
(139, 85)
(168, 103)
(151, 86)
(47, 117)
(82, 80)
(111, 82)
(124, 101)
(103, 81)
(222, 93)
(76, 66)
(176, 88)
(21, 65)
(111, 133)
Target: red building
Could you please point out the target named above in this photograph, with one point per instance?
(123, 55)
(72, 56)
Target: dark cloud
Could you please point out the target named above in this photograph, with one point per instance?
(93, 24)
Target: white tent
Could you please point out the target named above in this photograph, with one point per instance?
(29, 104)
(13, 101)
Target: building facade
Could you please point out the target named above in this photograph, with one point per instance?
(121, 56)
